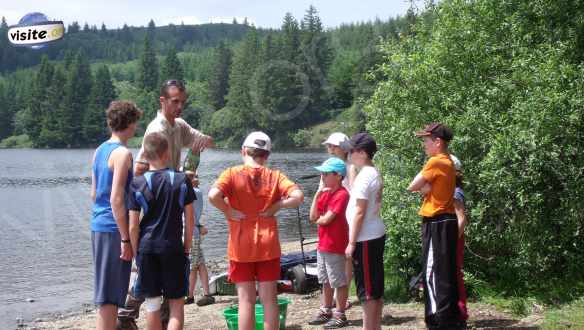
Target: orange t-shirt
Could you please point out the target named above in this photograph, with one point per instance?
(440, 173)
(251, 191)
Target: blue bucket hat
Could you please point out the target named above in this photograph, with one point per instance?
(333, 164)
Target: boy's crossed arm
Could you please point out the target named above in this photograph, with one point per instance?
(417, 183)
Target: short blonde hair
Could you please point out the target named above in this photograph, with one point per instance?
(155, 145)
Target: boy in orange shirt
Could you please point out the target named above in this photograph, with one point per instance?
(255, 193)
(437, 182)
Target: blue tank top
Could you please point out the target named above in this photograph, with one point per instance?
(102, 219)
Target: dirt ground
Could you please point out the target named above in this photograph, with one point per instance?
(302, 309)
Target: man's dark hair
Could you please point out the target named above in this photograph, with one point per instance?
(171, 83)
(121, 114)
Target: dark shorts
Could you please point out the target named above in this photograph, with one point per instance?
(112, 274)
(162, 275)
(368, 269)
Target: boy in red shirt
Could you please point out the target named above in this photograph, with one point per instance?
(255, 193)
(328, 212)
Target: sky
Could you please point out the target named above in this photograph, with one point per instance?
(262, 13)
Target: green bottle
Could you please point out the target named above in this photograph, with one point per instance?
(192, 161)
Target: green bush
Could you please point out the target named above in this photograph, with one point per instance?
(16, 141)
(506, 76)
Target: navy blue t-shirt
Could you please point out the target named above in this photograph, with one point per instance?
(162, 196)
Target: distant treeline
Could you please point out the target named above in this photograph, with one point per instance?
(238, 77)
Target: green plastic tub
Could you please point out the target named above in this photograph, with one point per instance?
(230, 314)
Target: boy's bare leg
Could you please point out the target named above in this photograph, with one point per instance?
(153, 321)
(106, 317)
(246, 294)
(204, 276)
(177, 314)
(268, 297)
(342, 294)
(372, 314)
(349, 274)
(327, 295)
(193, 281)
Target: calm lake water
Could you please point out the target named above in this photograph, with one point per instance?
(45, 251)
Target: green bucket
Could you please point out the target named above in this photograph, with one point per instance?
(230, 314)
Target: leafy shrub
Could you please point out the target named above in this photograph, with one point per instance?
(505, 75)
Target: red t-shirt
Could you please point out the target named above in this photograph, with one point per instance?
(334, 236)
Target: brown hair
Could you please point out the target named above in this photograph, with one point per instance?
(155, 145)
(121, 114)
(257, 153)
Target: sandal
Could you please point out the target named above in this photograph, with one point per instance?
(322, 317)
(206, 300)
(339, 320)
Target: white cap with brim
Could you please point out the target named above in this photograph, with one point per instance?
(258, 140)
(336, 139)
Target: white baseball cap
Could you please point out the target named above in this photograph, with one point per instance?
(258, 140)
(456, 162)
(336, 139)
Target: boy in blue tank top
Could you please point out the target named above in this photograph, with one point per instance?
(157, 239)
(110, 180)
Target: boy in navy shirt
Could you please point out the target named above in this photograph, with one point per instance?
(163, 195)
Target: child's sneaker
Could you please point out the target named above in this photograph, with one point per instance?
(338, 320)
(322, 317)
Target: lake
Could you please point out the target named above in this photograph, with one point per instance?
(45, 250)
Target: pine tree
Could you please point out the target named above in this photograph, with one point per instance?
(244, 64)
(68, 59)
(172, 67)
(151, 30)
(73, 27)
(77, 90)
(148, 67)
(51, 133)
(290, 48)
(3, 25)
(219, 84)
(102, 93)
(241, 116)
(315, 61)
(5, 123)
(36, 100)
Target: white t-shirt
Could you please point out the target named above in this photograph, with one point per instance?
(367, 185)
